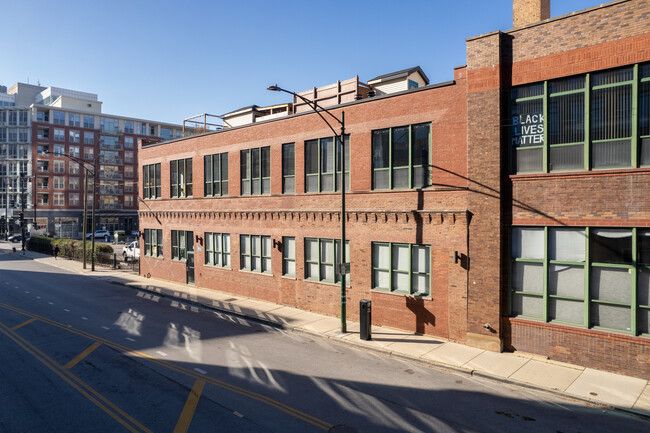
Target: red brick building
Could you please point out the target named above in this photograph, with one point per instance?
(507, 209)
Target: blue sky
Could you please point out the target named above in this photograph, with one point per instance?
(167, 60)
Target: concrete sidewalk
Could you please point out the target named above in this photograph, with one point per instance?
(533, 371)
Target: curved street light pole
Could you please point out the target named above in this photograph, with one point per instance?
(343, 267)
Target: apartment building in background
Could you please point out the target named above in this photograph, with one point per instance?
(46, 134)
(508, 209)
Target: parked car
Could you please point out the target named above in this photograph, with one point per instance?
(100, 234)
(18, 238)
(131, 251)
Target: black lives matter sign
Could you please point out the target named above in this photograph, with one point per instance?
(528, 130)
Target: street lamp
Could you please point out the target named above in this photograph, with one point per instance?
(344, 267)
(7, 189)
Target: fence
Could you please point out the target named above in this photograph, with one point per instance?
(110, 260)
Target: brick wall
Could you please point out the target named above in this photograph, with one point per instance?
(436, 216)
(611, 35)
(603, 350)
(594, 198)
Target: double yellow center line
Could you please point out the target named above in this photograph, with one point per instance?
(192, 401)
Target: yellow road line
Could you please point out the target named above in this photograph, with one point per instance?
(185, 419)
(82, 355)
(83, 388)
(33, 319)
(324, 425)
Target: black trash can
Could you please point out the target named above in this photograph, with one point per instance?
(365, 320)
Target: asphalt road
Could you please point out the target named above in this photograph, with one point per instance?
(83, 355)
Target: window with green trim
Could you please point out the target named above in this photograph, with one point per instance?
(151, 181)
(217, 249)
(255, 253)
(598, 120)
(256, 171)
(323, 164)
(402, 268)
(153, 242)
(182, 243)
(289, 256)
(322, 257)
(288, 168)
(401, 157)
(582, 276)
(181, 177)
(215, 172)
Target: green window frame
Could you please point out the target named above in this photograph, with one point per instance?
(594, 121)
(182, 243)
(217, 249)
(215, 173)
(591, 277)
(401, 157)
(255, 253)
(153, 243)
(322, 257)
(323, 164)
(288, 168)
(151, 181)
(256, 171)
(289, 256)
(181, 178)
(401, 268)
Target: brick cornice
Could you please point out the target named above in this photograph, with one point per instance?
(373, 216)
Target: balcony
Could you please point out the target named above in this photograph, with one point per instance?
(103, 159)
(104, 190)
(110, 206)
(109, 129)
(110, 146)
(110, 175)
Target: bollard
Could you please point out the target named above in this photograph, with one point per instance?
(114, 260)
(365, 321)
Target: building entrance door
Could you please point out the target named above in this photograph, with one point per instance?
(189, 267)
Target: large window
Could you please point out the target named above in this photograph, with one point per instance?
(215, 172)
(153, 242)
(151, 181)
(590, 277)
(256, 171)
(322, 257)
(288, 168)
(217, 249)
(182, 243)
(59, 134)
(400, 157)
(181, 177)
(593, 121)
(255, 253)
(73, 119)
(403, 268)
(323, 164)
(89, 122)
(59, 117)
(289, 256)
